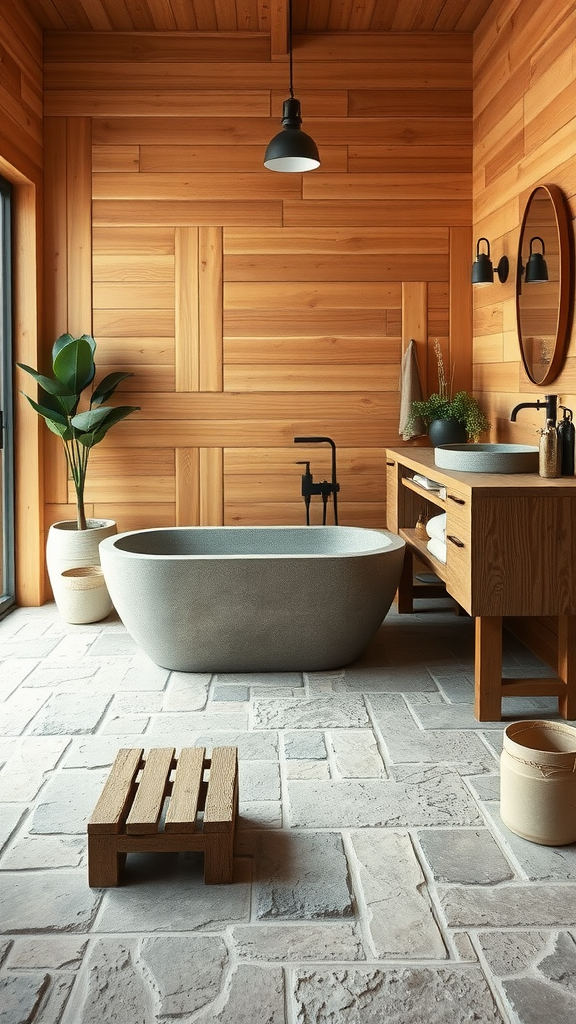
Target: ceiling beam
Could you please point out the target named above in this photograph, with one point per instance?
(279, 29)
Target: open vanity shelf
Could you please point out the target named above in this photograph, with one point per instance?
(510, 551)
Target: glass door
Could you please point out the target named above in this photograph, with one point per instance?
(6, 418)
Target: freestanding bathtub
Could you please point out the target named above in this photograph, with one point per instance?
(261, 599)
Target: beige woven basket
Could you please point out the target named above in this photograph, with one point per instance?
(538, 782)
(85, 596)
(84, 577)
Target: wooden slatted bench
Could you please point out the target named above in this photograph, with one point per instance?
(161, 803)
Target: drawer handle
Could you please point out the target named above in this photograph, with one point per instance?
(390, 463)
(459, 501)
(455, 540)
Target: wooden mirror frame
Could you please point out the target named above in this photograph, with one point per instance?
(564, 283)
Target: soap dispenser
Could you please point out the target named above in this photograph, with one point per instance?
(566, 436)
(548, 465)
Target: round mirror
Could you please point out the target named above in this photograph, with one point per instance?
(543, 284)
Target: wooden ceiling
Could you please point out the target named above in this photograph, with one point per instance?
(256, 15)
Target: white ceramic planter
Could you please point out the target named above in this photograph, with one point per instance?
(538, 781)
(70, 548)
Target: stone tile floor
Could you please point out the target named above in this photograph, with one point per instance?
(374, 880)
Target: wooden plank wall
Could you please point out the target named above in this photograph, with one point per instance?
(254, 306)
(524, 130)
(21, 163)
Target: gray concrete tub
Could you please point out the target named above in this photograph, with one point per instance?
(252, 599)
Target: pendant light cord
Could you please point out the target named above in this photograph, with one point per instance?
(290, 46)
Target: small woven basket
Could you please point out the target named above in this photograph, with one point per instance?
(85, 596)
(84, 577)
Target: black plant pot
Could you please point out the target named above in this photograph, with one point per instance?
(447, 432)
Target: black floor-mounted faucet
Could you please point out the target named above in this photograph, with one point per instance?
(325, 489)
(550, 404)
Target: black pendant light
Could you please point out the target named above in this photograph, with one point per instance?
(291, 150)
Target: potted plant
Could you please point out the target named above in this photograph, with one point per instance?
(74, 544)
(447, 418)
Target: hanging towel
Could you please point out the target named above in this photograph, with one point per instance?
(410, 391)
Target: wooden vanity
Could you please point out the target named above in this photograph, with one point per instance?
(511, 551)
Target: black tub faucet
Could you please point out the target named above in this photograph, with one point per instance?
(325, 489)
(550, 404)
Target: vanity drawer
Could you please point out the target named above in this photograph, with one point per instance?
(458, 521)
(456, 501)
(459, 552)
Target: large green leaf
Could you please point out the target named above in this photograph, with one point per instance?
(53, 387)
(95, 423)
(107, 387)
(65, 405)
(47, 413)
(58, 428)
(74, 365)
(90, 420)
(90, 340)
(67, 339)
(89, 440)
(54, 420)
(60, 343)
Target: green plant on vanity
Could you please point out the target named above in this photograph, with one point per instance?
(442, 406)
(73, 372)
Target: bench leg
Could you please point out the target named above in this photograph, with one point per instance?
(218, 857)
(104, 862)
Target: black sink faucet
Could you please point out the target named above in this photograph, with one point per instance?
(325, 488)
(550, 404)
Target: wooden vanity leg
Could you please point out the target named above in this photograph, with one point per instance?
(404, 594)
(567, 664)
(488, 668)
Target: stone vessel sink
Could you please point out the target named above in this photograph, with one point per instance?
(487, 458)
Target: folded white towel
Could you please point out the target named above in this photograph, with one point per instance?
(437, 548)
(436, 527)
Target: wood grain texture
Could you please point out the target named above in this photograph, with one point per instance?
(335, 240)
(461, 308)
(252, 306)
(524, 127)
(186, 312)
(79, 226)
(21, 158)
(185, 795)
(187, 467)
(447, 19)
(415, 324)
(152, 789)
(219, 809)
(109, 812)
(210, 277)
(496, 564)
(291, 377)
(127, 817)
(211, 486)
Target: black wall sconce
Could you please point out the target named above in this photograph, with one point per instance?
(536, 268)
(482, 269)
